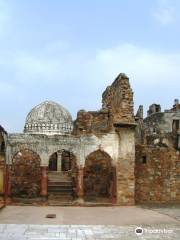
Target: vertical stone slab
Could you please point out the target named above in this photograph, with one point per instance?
(114, 186)
(9, 180)
(80, 185)
(179, 140)
(59, 161)
(44, 181)
(125, 167)
(7, 184)
(1, 180)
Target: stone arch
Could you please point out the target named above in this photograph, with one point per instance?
(2, 144)
(13, 150)
(62, 175)
(25, 174)
(98, 176)
(62, 160)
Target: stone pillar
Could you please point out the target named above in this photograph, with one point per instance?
(80, 185)
(178, 140)
(125, 167)
(7, 184)
(9, 180)
(59, 161)
(2, 170)
(44, 181)
(114, 186)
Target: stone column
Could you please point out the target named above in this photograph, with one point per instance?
(7, 184)
(59, 161)
(80, 185)
(125, 167)
(2, 173)
(44, 181)
(178, 136)
(114, 186)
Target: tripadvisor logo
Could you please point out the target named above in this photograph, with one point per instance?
(139, 231)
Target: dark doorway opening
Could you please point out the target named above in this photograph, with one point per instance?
(53, 162)
(66, 161)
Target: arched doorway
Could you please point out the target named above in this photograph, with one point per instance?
(25, 174)
(53, 162)
(62, 177)
(62, 161)
(98, 177)
(2, 147)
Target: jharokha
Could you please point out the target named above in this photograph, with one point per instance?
(109, 156)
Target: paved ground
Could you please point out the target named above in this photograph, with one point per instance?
(82, 232)
(172, 211)
(87, 223)
(85, 215)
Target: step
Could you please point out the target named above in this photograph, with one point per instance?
(61, 187)
(60, 199)
(56, 176)
(57, 173)
(59, 195)
(57, 182)
(54, 190)
(60, 179)
(60, 184)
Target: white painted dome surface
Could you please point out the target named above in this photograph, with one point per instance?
(49, 118)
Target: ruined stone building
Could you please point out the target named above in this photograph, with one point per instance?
(108, 156)
(157, 164)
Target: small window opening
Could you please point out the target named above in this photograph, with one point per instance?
(176, 125)
(157, 108)
(144, 160)
(2, 147)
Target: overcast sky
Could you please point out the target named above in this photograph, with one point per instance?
(68, 51)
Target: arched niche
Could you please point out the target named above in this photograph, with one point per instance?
(98, 176)
(2, 145)
(25, 174)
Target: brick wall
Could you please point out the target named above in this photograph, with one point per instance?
(157, 173)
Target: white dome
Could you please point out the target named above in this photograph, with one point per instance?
(49, 118)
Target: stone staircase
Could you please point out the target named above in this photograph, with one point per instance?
(60, 188)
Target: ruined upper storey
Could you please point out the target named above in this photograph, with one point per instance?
(118, 100)
(117, 109)
(160, 127)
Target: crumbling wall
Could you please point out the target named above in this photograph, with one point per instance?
(139, 131)
(157, 173)
(118, 99)
(117, 107)
(162, 128)
(92, 122)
